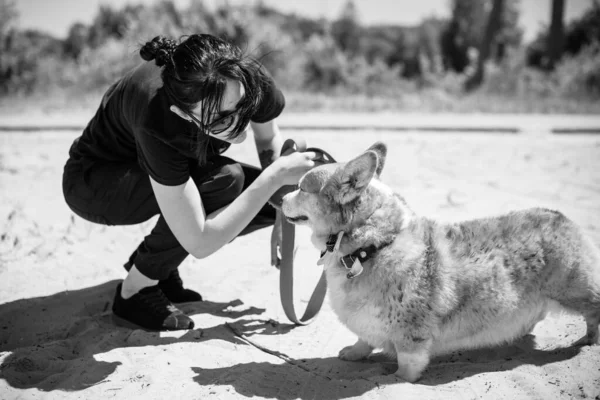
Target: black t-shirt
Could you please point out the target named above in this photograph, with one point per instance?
(134, 122)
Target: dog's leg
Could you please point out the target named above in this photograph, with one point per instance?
(357, 351)
(582, 295)
(412, 362)
(592, 335)
(576, 260)
(592, 312)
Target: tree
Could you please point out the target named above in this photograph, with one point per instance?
(346, 30)
(583, 31)
(510, 34)
(556, 35)
(580, 33)
(76, 40)
(493, 25)
(109, 23)
(466, 30)
(8, 15)
(454, 48)
(429, 33)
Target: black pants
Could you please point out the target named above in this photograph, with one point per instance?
(121, 194)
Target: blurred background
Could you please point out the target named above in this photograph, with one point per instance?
(490, 56)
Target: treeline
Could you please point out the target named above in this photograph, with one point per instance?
(310, 55)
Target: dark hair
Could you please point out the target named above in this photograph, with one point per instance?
(196, 69)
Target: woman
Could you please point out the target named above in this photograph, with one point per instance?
(155, 147)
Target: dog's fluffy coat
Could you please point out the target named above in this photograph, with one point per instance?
(434, 288)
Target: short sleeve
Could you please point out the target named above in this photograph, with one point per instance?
(272, 104)
(162, 162)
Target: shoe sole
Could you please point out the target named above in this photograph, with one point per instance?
(123, 323)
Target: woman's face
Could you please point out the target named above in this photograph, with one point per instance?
(227, 115)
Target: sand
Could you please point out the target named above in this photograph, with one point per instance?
(58, 275)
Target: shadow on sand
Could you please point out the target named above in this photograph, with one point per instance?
(332, 378)
(66, 327)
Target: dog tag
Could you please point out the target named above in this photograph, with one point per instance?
(356, 269)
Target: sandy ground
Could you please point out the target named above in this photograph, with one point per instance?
(58, 274)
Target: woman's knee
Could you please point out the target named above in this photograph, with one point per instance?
(230, 180)
(223, 186)
(109, 194)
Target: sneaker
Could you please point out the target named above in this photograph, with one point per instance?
(173, 288)
(150, 309)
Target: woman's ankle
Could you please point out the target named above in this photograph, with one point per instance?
(134, 282)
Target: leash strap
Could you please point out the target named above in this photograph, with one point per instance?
(286, 276)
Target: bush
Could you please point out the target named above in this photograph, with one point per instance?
(579, 75)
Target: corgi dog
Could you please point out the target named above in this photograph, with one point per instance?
(417, 288)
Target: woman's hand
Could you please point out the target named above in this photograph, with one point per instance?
(290, 168)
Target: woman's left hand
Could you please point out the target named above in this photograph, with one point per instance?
(276, 241)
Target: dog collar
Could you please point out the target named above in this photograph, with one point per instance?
(352, 262)
(332, 241)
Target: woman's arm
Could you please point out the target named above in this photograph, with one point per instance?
(268, 142)
(268, 145)
(201, 235)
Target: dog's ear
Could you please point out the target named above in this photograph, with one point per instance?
(349, 181)
(381, 150)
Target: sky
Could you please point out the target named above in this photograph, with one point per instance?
(56, 16)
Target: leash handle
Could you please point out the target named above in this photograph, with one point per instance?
(286, 276)
(323, 157)
(289, 146)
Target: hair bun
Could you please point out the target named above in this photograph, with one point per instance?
(159, 49)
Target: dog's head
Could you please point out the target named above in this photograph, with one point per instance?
(330, 197)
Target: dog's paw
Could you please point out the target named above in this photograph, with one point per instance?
(590, 339)
(354, 352)
(408, 376)
(411, 365)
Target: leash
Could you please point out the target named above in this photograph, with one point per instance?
(286, 272)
